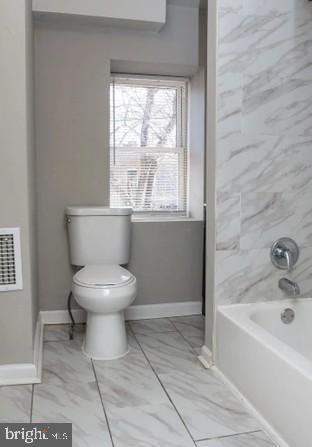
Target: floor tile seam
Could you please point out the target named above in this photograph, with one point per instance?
(153, 332)
(103, 406)
(192, 348)
(148, 319)
(32, 403)
(55, 341)
(173, 331)
(166, 392)
(215, 404)
(233, 435)
(185, 317)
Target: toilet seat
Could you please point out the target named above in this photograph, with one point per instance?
(103, 277)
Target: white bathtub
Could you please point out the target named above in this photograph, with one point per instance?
(270, 363)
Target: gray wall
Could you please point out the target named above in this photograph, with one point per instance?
(175, 45)
(18, 308)
(167, 260)
(264, 156)
(72, 133)
(72, 140)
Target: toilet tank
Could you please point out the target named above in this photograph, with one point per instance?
(98, 235)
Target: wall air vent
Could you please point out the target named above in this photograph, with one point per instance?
(10, 260)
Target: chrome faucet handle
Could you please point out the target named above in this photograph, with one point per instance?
(284, 253)
(288, 257)
(281, 251)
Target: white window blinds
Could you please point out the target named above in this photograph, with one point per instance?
(148, 154)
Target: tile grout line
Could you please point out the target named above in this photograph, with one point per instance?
(32, 402)
(191, 349)
(103, 406)
(163, 387)
(155, 333)
(173, 330)
(234, 435)
(184, 338)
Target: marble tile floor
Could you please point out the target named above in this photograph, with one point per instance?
(159, 395)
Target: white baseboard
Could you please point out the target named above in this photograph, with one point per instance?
(146, 311)
(25, 373)
(139, 312)
(18, 374)
(62, 316)
(38, 348)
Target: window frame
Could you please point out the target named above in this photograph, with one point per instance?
(182, 147)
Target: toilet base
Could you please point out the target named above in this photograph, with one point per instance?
(106, 337)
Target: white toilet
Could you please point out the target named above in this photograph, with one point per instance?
(99, 240)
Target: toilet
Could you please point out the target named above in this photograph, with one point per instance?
(99, 242)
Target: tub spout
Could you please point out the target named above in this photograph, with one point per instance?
(291, 288)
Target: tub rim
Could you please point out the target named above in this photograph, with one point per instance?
(239, 315)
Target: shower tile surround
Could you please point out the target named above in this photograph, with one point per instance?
(264, 145)
(135, 401)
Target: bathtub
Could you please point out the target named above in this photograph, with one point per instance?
(270, 363)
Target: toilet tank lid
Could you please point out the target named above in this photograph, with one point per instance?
(97, 211)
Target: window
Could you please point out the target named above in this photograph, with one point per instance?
(148, 154)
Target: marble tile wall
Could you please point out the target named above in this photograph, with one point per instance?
(264, 145)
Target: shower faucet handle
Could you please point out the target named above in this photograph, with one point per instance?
(284, 253)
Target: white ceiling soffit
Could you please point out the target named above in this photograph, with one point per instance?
(138, 14)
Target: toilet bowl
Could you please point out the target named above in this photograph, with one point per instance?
(105, 291)
(99, 244)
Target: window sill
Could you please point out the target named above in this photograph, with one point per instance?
(136, 219)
